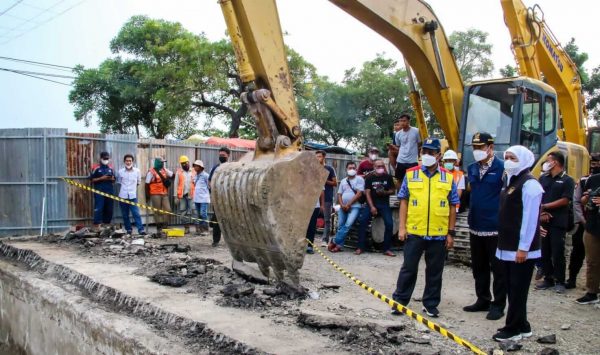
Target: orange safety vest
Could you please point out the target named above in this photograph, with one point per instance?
(180, 184)
(156, 185)
(457, 175)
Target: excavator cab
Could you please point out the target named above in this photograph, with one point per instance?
(514, 111)
(594, 141)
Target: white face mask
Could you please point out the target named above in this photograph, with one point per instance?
(351, 172)
(373, 156)
(128, 165)
(511, 167)
(105, 161)
(547, 166)
(428, 160)
(380, 171)
(479, 154)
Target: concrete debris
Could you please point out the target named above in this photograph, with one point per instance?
(138, 241)
(549, 351)
(169, 280)
(249, 273)
(176, 248)
(314, 295)
(510, 346)
(329, 287)
(417, 340)
(548, 339)
(565, 327)
(237, 290)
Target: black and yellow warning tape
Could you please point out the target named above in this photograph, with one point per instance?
(117, 198)
(397, 306)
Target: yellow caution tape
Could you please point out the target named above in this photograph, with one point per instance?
(397, 306)
(116, 198)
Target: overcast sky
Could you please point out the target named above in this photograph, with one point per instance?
(78, 32)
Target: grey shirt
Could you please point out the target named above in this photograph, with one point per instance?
(408, 144)
(358, 184)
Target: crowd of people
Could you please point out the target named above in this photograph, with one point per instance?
(517, 222)
(191, 193)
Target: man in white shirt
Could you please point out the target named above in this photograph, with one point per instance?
(201, 196)
(129, 177)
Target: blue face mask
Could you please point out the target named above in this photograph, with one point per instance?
(449, 166)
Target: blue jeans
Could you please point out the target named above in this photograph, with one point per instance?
(202, 208)
(435, 257)
(385, 212)
(103, 209)
(135, 211)
(345, 222)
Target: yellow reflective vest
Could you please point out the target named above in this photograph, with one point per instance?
(428, 205)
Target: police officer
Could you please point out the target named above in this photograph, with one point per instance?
(428, 200)
(485, 179)
(103, 178)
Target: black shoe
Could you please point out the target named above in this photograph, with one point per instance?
(142, 233)
(477, 307)
(505, 335)
(431, 312)
(396, 312)
(214, 244)
(494, 314)
(309, 250)
(544, 285)
(571, 284)
(589, 298)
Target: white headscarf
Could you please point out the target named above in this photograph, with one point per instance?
(525, 156)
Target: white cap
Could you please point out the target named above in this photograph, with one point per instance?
(450, 155)
(199, 163)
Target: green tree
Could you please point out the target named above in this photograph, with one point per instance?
(579, 58)
(592, 91)
(508, 71)
(472, 53)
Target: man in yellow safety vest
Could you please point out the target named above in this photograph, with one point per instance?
(428, 200)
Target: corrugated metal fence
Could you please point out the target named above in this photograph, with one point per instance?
(34, 199)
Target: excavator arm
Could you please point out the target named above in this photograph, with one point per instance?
(413, 28)
(540, 56)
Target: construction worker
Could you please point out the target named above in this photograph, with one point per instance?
(103, 178)
(157, 185)
(518, 238)
(485, 179)
(184, 190)
(224, 154)
(450, 160)
(427, 216)
(201, 196)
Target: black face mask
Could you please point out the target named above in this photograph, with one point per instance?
(223, 159)
(595, 170)
(186, 167)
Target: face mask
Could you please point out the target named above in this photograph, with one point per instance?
(223, 159)
(104, 161)
(449, 166)
(186, 167)
(479, 154)
(128, 165)
(380, 171)
(595, 170)
(428, 160)
(373, 156)
(547, 166)
(351, 172)
(511, 167)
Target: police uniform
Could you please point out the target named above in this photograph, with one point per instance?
(103, 206)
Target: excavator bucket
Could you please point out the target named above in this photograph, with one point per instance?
(264, 206)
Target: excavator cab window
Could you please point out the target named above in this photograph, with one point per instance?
(531, 123)
(594, 141)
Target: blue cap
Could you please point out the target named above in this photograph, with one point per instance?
(432, 143)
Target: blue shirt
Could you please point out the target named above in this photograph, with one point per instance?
(100, 170)
(453, 198)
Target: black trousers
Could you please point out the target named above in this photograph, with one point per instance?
(216, 229)
(435, 257)
(484, 262)
(518, 280)
(311, 230)
(553, 255)
(401, 170)
(577, 253)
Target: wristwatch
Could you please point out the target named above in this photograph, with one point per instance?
(452, 233)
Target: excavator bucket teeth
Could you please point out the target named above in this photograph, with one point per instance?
(263, 207)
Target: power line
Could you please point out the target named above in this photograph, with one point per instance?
(40, 64)
(38, 73)
(43, 22)
(10, 7)
(35, 76)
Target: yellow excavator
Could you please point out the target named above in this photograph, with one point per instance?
(264, 201)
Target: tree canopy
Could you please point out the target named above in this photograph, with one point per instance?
(472, 53)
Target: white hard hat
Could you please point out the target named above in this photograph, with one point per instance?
(199, 163)
(450, 155)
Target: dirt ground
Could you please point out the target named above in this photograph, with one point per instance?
(346, 318)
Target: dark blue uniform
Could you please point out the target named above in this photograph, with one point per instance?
(103, 206)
